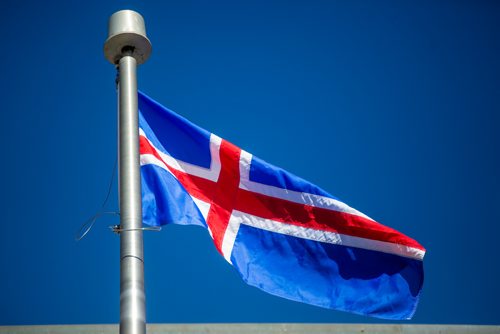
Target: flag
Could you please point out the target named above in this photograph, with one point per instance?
(282, 234)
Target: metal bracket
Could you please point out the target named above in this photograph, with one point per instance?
(117, 229)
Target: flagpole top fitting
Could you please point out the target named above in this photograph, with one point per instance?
(127, 37)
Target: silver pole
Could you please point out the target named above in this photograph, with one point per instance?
(132, 298)
(128, 46)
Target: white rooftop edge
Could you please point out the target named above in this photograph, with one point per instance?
(257, 328)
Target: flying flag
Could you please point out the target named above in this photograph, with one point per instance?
(281, 233)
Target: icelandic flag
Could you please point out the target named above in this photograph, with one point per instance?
(282, 234)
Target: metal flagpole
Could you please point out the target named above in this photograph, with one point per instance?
(127, 46)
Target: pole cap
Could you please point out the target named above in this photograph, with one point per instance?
(127, 31)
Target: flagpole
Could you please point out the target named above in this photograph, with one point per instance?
(127, 46)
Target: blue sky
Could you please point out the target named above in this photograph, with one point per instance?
(393, 107)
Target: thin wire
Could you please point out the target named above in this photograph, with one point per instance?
(89, 223)
(111, 181)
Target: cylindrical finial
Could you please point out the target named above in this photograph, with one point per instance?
(127, 33)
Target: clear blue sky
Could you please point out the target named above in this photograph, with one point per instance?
(394, 107)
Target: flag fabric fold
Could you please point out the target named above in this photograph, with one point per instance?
(281, 233)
